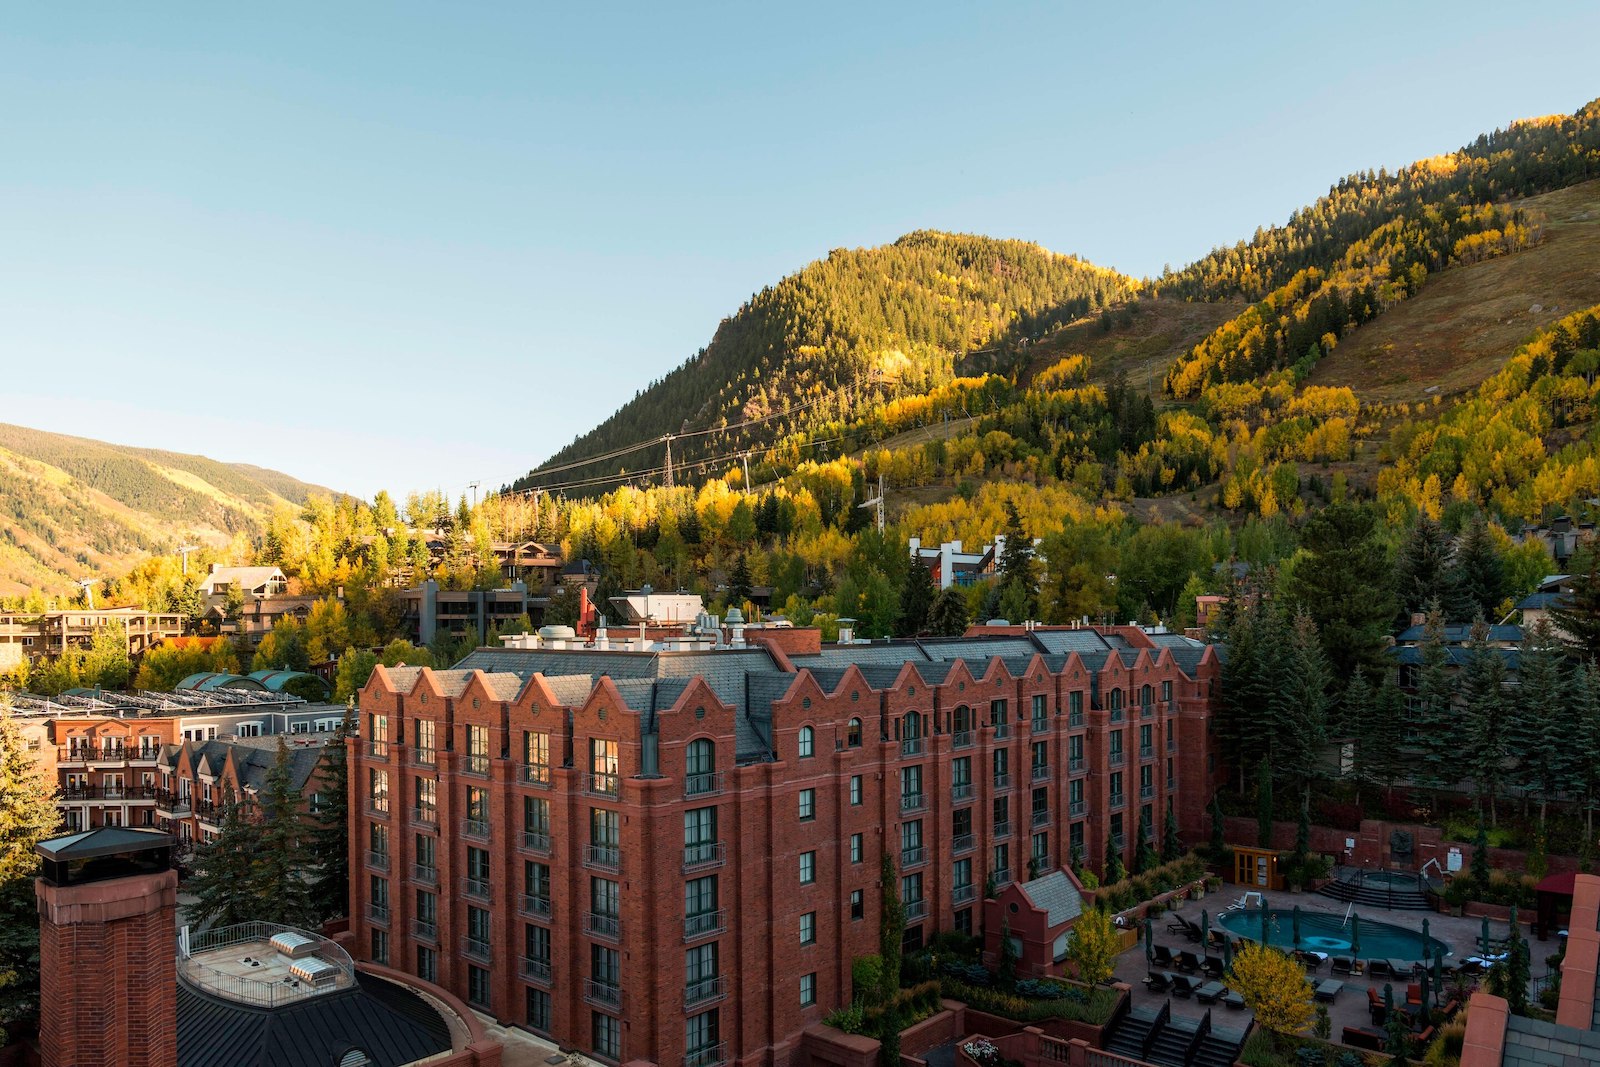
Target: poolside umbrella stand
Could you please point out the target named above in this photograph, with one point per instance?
(1149, 940)
(1205, 931)
(1355, 938)
(1297, 928)
(1425, 984)
(1485, 938)
(1264, 918)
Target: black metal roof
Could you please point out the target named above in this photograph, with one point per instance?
(388, 1022)
(105, 841)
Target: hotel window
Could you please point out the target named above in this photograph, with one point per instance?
(477, 986)
(605, 965)
(427, 964)
(1002, 767)
(603, 765)
(961, 771)
(1041, 711)
(477, 750)
(478, 805)
(536, 880)
(701, 1036)
(911, 842)
(478, 925)
(1002, 860)
(997, 713)
(963, 874)
(538, 1009)
(699, 829)
(808, 928)
(808, 805)
(858, 905)
(605, 828)
(536, 756)
(380, 947)
(1116, 744)
(605, 899)
(379, 724)
(853, 734)
(911, 889)
(807, 744)
(808, 868)
(536, 816)
(1041, 849)
(607, 1036)
(427, 908)
(478, 869)
(378, 789)
(424, 852)
(808, 989)
(855, 848)
(378, 839)
(422, 733)
(855, 790)
(1166, 690)
(1041, 758)
(910, 784)
(700, 896)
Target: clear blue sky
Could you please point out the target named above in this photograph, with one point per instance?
(414, 245)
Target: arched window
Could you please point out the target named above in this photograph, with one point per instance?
(853, 737)
(1147, 696)
(910, 726)
(700, 768)
(1116, 700)
(808, 739)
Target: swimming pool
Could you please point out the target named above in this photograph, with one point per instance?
(1321, 932)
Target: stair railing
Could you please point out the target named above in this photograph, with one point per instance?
(1163, 1017)
(1201, 1032)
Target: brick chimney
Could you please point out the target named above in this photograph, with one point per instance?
(107, 949)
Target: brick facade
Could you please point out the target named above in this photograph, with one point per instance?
(802, 760)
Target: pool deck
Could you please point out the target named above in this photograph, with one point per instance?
(1350, 1006)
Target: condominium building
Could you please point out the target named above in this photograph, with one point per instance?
(671, 856)
(32, 635)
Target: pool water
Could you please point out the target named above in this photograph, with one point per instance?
(1320, 932)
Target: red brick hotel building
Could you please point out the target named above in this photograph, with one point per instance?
(672, 856)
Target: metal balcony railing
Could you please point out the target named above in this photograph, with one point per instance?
(1002, 781)
(913, 801)
(1146, 711)
(963, 894)
(1116, 714)
(378, 750)
(537, 906)
(1041, 771)
(1147, 752)
(606, 994)
(961, 791)
(377, 807)
(708, 784)
(704, 991)
(1075, 765)
(606, 926)
(1002, 876)
(535, 841)
(536, 969)
(428, 817)
(1075, 720)
(1076, 808)
(962, 843)
(702, 856)
(377, 859)
(602, 784)
(1002, 829)
(477, 888)
(1002, 730)
(425, 757)
(378, 913)
(1118, 799)
(916, 909)
(475, 764)
(1041, 726)
(423, 930)
(1041, 818)
(1116, 758)
(707, 1056)
(704, 924)
(1147, 791)
(911, 746)
(913, 857)
(1172, 744)
(425, 875)
(478, 828)
(961, 739)
(605, 857)
(475, 949)
(535, 774)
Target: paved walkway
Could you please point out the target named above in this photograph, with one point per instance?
(1350, 1006)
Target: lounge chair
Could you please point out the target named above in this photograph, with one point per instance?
(1181, 986)
(1414, 993)
(1380, 969)
(1210, 993)
(1310, 960)
(1329, 990)
(1248, 900)
(1187, 962)
(1365, 1037)
(1235, 1001)
(1177, 923)
(1213, 967)
(1158, 981)
(1343, 965)
(1161, 956)
(1191, 930)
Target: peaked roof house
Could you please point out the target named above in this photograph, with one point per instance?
(1039, 916)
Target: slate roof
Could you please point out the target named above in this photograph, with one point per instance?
(1061, 642)
(1540, 601)
(254, 756)
(1461, 634)
(1533, 1043)
(1056, 896)
(389, 1023)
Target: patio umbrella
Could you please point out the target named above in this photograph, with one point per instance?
(1149, 940)
(1205, 930)
(1355, 936)
(1425, 983)
(1264, 917)
(1227, 951)
(1425, 940)
(1485, 938)
(1297, 928)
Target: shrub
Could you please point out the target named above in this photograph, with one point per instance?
(1092, 1006)
(851, 1019)
(1445, 1049)
(1310, 1056)
(866, 977)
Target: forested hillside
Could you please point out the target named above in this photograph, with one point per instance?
(71, 507)
(847, 333)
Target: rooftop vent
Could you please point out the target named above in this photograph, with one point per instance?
(294, 945)
(315, 971)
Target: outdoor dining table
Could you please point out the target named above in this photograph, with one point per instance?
(1329, 990)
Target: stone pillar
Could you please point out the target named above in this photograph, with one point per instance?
(108, 972)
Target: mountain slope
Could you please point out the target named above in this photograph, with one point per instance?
(72, 507)
(848, 331)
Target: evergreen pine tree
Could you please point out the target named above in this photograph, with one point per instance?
(1115, 871)
(1577, 613)
(1145, 856)
(739, 583)
(224, 882)
(1019, 579)
(1388, 735)
(1535, 731)
(328, 840)
(283, 880)
(1343, 580)
(1264, 804)
(1423, 573)
(1483, 694)
(1171, 845)
(1439, 759)
(1219, 840)
(1583, 772)
(948, 617)
(916, 599)
(1478, 571)
(1299, 707)
(1357, 710)
(27, 816)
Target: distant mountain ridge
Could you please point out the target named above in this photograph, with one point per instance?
(72, 507)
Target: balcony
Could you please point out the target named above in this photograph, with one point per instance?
(475, 764)
(960, 791)
(476, 888)
(1075, 720)
(1002, 781)
(536, 774)
(1118, 842)
(110, 756)
(1147, 791)
(913, 857)
(606, 926)
(475, 949)
(704, 924)
(173, 806)
(961, 739)
(428, 818)
(1002, 828)
(1116, 759)
(913, 801)
(144, 755)
(911, 746)
(425, 875)
(707, 1056)
(702, 856)
(1077, 808)
(1172, 785)
(377, 860)
(604, 857)
(1002, 876)
(1041, 726)
(425, 757)
(1041, 772)
(377, 750)
(1002, 731)
(535, 970)
(377, 807)
(964, 894)
(704, 991)
(1041, 818)
(378, 913)
(534, 841)
(478, 828)
(916, 909)
(1172, 744)
(1118, 799)
(605, 994)
(601, 784)
(536, 906)
(1147, 711)
(1147, 752)
(962, 843)
(1075, 765)
(423, 930)
(708, 784)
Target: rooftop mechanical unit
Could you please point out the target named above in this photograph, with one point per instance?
(293, 945)
(315, 971)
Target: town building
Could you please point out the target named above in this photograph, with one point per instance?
(427, 610)
(124, 985)
(671, 855)
(196, 779)
(36, 635)
(261, 596)
(1560, 537)
(951, 565)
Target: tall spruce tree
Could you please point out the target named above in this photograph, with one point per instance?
(891, 928)
(1019, 577)
(739, 582)
(1145, 856)
(1388, 735)
(1536, 731)
(1344, 581)
(224, 882)
(916, 598)
(1483, 696)
(27, 816)
(1264, 804)
(328, 844)
(1357, 710)
(1171, 844)
(1423, 572)
(1438, 734)
(1115, 871)
(1577, 613)
(1299, 707)
(283, 866)
(1584, 748)
(948, 617)
(1478, 571)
